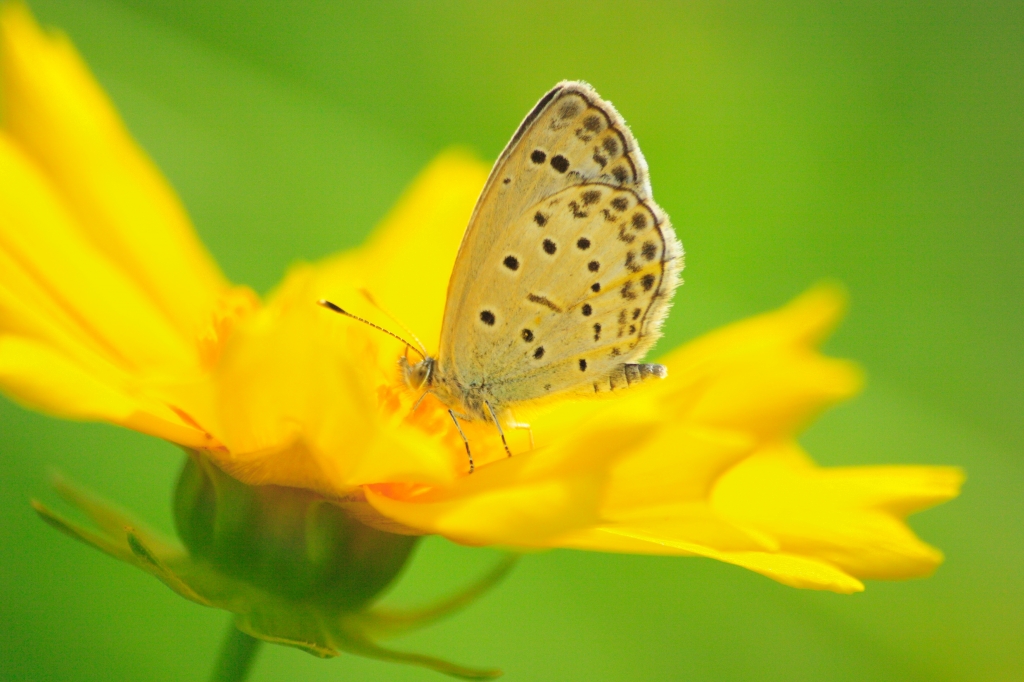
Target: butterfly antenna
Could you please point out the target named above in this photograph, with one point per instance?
(341, 311)
(369, 297)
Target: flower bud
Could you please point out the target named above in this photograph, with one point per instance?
(288, 541)
(291, 567)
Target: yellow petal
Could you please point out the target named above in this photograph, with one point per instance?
(851, 517)
(54, 266)
(522, 515)
(524, 501)
(676, 464)
(801, 324)
(788, 569)
(39, 378)
(60, 118)
(298, 383)
(774, 394)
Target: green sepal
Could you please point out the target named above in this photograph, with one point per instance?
(381, 623)
(321, 624)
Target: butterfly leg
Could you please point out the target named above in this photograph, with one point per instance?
(464, 440)
(522, 426)
(500, 432)
(419, 401)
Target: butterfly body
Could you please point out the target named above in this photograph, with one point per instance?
(566, 270)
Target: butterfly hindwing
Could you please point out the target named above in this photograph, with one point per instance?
(567, 267)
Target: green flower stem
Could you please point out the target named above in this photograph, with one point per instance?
(237, 654)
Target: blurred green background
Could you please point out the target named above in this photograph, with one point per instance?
(879, 144)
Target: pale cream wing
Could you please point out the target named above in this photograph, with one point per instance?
(567, 267)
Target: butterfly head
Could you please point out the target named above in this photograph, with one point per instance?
(419, 374)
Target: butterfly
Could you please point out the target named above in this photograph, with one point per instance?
(565, 273)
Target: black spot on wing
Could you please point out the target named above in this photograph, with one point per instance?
(487, 317)
(544, 301)
(527, 335)
(540, 219)
(582, 243)
(549, 247)
(569, 110)
(538, 156)
(631, 263)
(539, 353)
(511, 262)
(560, 163)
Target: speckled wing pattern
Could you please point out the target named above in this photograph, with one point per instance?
(567, 267)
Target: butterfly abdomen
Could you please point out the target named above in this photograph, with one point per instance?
(630, 374)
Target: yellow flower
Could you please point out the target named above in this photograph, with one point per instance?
(110, 309)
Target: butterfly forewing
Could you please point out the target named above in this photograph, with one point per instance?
(567, 266)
